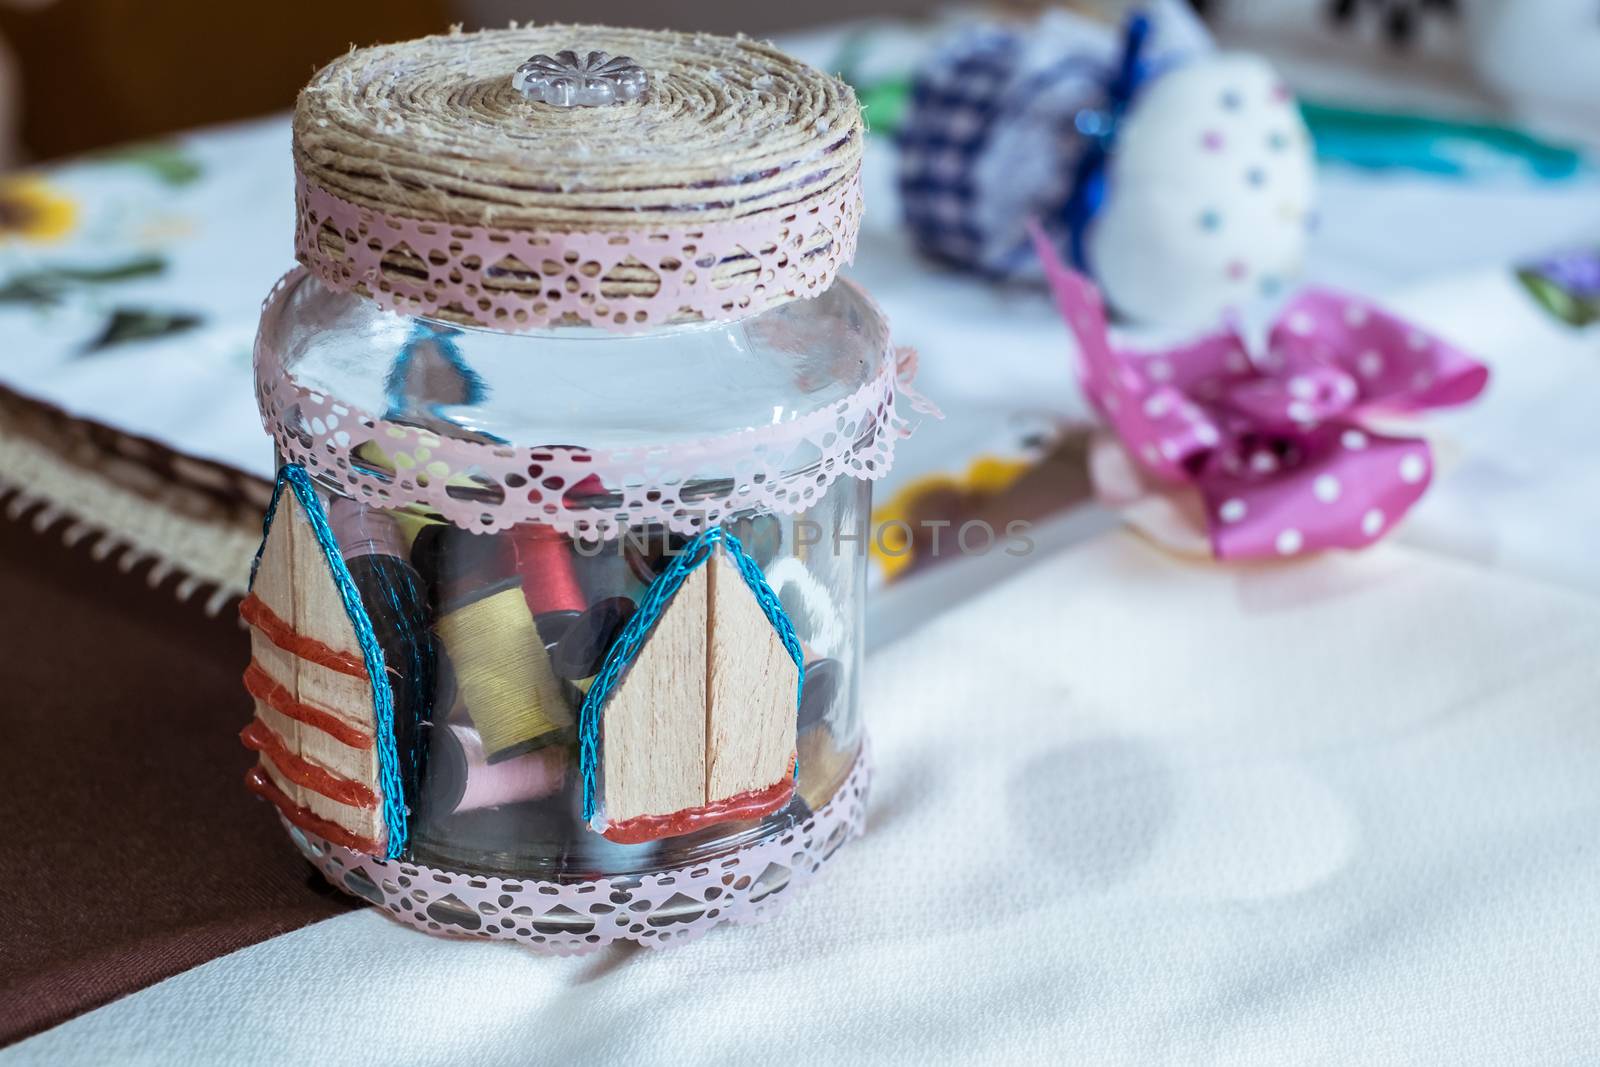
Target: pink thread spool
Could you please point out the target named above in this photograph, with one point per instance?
(461, 778)
(362, 531)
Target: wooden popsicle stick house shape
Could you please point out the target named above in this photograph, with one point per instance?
(323, 728)
(692, 719)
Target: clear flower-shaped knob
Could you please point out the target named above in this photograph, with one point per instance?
(566, 80)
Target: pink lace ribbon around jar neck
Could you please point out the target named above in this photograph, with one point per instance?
(687, 487)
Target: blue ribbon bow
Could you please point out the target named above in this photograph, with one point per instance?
(1100, 129)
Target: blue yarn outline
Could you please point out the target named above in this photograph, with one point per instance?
(299, 482)
(475, 387)
(632, 638)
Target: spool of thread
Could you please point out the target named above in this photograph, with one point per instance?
(602, 570)
(824, 765)
(590, 492)
(452, 561)
(503, 672)
(374, 546)
(426, 549)
(554, 626)
(823, 678)
(582, 650)
(651, 550)
(543, 558)
(461, 778)
(364, 532)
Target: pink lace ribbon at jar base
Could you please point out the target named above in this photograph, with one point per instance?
(766, 259)
(672, 907)
(687, 487)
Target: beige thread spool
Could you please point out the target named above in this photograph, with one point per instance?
(504, 674)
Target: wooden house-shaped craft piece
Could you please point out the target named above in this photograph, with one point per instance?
(694, 714)
(323, 727)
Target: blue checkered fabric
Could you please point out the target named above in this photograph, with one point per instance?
(956, 99)
(993, 137)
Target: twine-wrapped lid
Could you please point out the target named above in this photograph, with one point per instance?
(433, 183)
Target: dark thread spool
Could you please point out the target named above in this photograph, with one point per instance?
(602, 570)
(397, 603)
(449, 559)
(426, 552)
(650, 551)
(823, 678)
(463, 779)
(582, 649)
(554, 626)
(454, 563)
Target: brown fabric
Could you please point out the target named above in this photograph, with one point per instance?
(132, 851)
(135, 495)
(192, 488)
(98, 72)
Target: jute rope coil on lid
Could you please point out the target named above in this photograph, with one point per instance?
(428, 183)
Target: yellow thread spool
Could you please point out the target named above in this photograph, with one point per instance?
(504, 674)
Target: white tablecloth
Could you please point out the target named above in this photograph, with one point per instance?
(1128, 809)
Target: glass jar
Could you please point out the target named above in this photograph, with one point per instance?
(597, 392)
(557, 617)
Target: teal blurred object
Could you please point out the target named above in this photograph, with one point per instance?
(1380, 141)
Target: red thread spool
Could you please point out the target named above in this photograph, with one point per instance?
(544, 562)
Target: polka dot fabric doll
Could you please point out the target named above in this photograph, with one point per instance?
(1211, 189)
(1180, 179)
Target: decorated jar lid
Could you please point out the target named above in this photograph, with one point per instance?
(576, 174)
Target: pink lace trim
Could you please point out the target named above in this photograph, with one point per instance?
(518, 280)
(688, 487)
(673, 907)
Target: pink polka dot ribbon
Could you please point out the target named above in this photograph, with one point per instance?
(1279, 446)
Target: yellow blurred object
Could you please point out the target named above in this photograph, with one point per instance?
(30, 209)
(893, 545)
